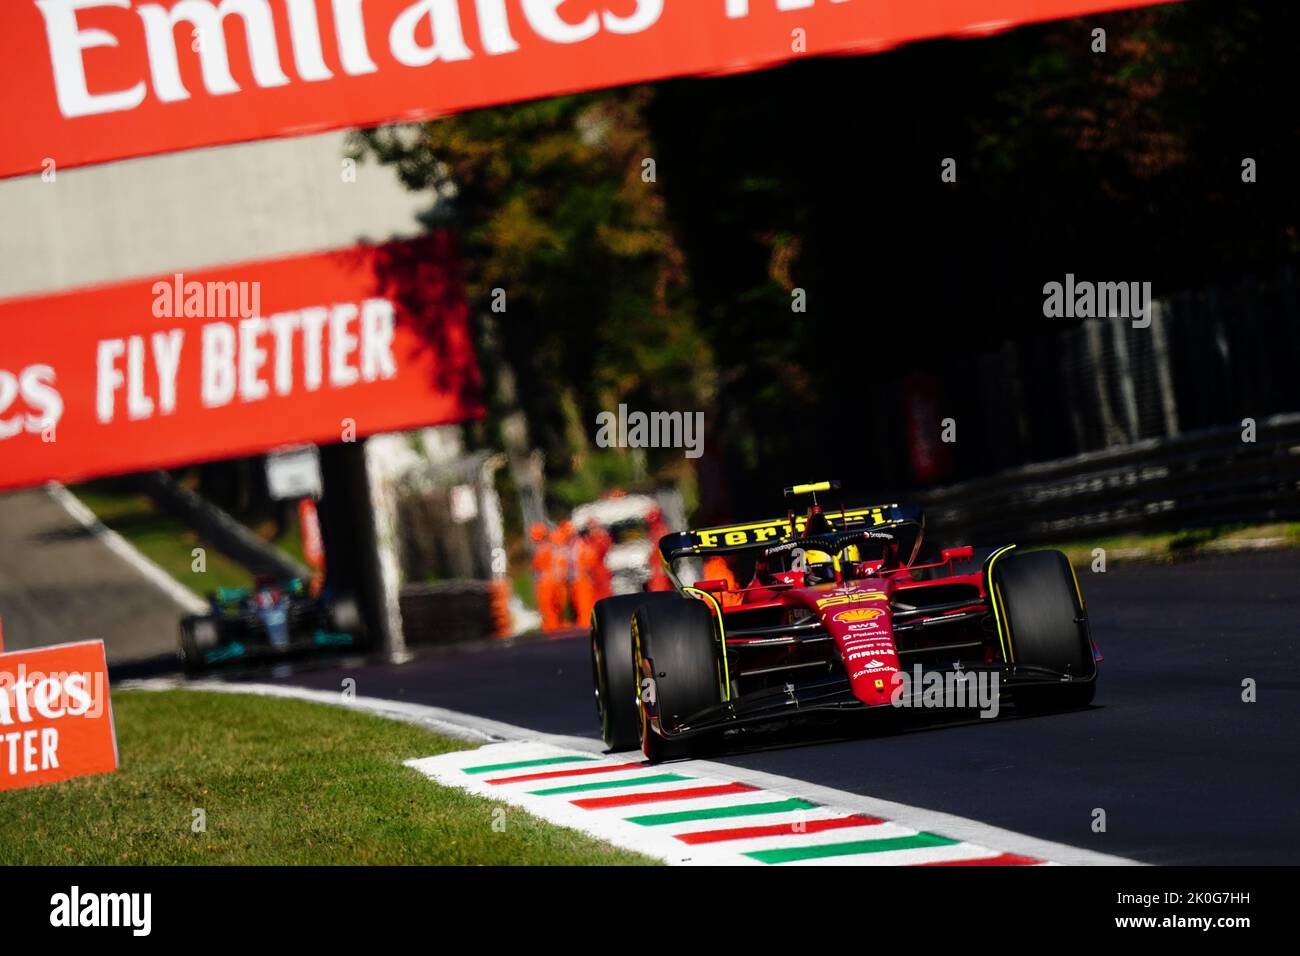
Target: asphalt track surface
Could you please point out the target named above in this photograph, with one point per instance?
(60, 583)
(1186, 772)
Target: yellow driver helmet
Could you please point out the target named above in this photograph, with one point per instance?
(819, 565)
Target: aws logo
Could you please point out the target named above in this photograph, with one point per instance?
(859, 614)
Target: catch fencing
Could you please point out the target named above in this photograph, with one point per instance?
(1245, 473)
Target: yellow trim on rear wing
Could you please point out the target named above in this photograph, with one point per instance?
(776, 530)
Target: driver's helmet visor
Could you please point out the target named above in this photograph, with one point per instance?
(819, 565)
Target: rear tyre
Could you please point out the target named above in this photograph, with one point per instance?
(612, 670)
(1047, 628)
(674, 645)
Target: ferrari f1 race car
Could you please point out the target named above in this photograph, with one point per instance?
(270, 619)
(838, 616)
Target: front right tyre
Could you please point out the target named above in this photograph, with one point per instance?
(1046, 624)
(198, 635)
(612, 670)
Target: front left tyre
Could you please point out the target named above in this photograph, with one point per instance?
(676, 652)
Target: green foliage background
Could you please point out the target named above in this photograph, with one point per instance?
(824, 176)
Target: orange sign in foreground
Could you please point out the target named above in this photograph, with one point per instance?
(87, 81)
(56, 720)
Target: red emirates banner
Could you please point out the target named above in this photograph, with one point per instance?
(86, 81)
(233, 361)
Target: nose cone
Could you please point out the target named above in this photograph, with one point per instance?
(862, 629)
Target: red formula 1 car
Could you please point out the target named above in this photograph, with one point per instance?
(835, 615)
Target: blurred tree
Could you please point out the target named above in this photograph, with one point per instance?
(819, 183)
(565, 240)
(824, 176)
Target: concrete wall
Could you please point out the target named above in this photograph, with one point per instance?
(206, 207)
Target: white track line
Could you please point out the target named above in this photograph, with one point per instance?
(434, 718)
(510, 739)
(188, 600)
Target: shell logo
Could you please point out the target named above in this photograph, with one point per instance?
(859, 614)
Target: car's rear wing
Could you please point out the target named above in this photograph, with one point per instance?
(739, 537)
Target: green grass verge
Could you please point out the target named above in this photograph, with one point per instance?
(1179, 544)
(290, 539)
(169, 542)
(281, 782)
(164, 540)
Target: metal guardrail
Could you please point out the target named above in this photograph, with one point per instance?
(1208, 477)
